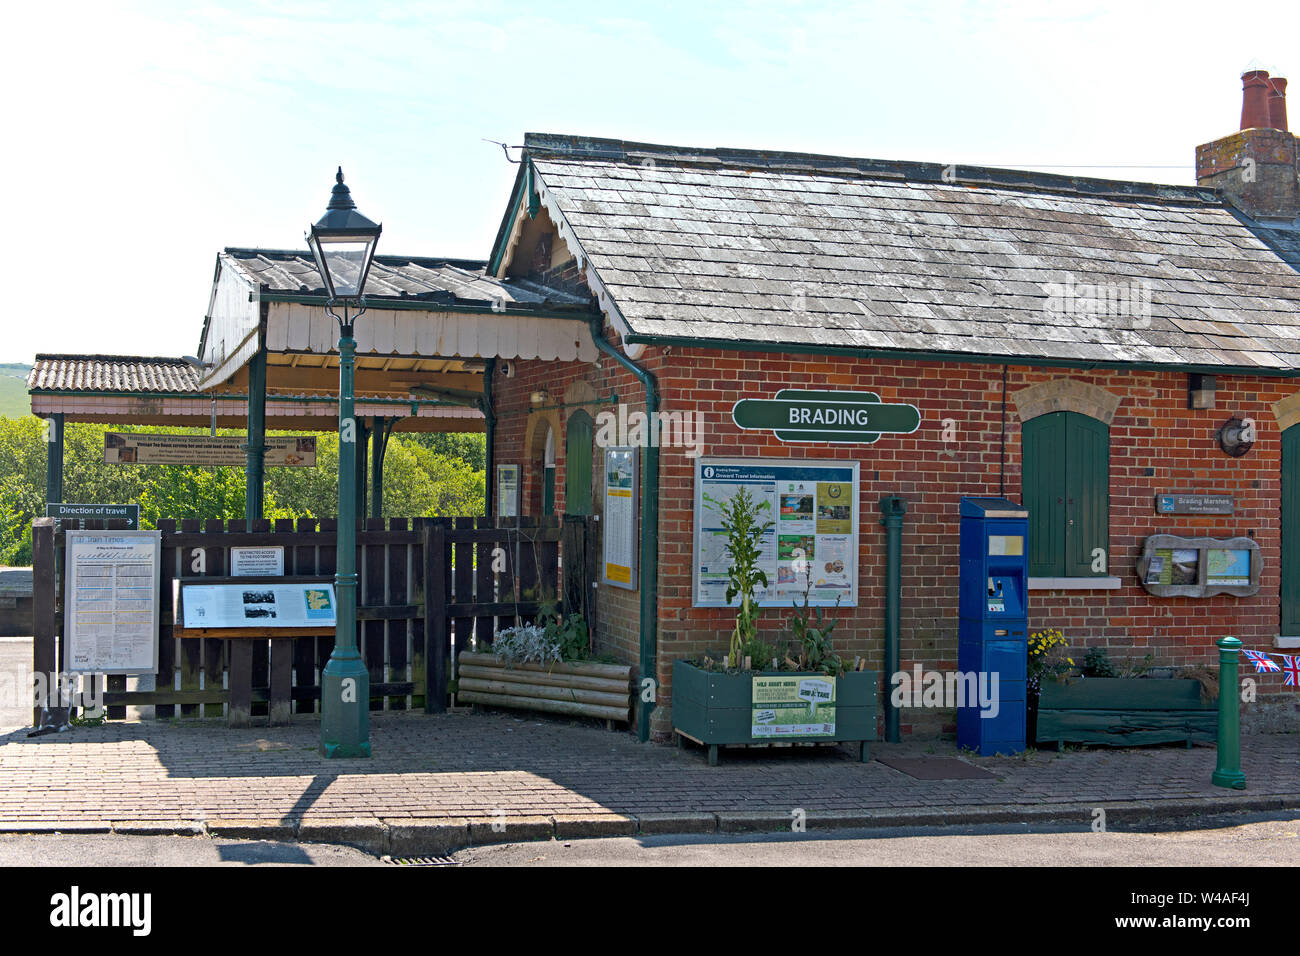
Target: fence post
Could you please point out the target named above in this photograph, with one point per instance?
(1228, 771)
(44, 585)
(435, 618)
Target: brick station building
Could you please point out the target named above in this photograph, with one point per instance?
(1078, 345)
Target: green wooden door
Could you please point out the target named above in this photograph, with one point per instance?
(1043, 493)
(1065, 478)
(577, 464)
(1087, 494)
(1291, 532)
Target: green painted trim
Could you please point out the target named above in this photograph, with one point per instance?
(512, 212)
(1026, 361)
(649, 557)
(235, 397)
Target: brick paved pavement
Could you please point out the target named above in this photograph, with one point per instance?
(437, 783)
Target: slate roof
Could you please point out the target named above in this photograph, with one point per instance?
(446, 281)
(112, 373)
(793, 249)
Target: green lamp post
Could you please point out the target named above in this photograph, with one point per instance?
(343, 242)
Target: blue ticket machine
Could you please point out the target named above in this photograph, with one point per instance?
(992, 635)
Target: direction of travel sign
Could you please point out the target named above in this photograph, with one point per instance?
(812, 415)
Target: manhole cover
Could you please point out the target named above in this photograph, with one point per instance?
(420, 860)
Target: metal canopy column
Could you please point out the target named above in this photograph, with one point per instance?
(54, 459)
(378, 446)
(256, 447)
(363, 441)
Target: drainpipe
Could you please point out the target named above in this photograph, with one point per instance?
(649, 527)
(490, 420)
(892, 509)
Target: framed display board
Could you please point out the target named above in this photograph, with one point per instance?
(618, 524)
(813, 541)
(257, 605)
(1173, 566)
(508, 491)
(111, 602)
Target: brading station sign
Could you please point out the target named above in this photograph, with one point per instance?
(830, 416)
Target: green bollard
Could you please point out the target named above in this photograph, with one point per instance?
(1228, 772)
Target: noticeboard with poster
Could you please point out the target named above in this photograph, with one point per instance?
(111, 602)
(618, 523)
(813, 541)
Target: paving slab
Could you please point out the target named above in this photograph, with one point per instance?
(439, 782)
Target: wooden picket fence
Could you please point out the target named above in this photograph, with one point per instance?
(424, 586)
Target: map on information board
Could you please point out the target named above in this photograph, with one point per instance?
(813, 508)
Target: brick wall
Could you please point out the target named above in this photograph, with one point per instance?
(1157, 444)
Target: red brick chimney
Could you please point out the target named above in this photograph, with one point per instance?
(1254, 99)
(1277, 103)
(1256, 169)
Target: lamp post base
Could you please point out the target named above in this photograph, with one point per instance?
(345, 707)
(1232, 779)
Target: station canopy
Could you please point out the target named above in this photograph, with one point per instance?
(430, 328)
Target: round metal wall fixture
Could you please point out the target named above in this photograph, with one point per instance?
(1236, 437)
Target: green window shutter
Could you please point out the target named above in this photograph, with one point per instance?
(577, 464)
(1042, 492)
(1291, 532)
(1087, 494)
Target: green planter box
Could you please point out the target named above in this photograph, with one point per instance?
(716, 709)
(1125, 712)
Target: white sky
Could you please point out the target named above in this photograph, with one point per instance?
(142, 137)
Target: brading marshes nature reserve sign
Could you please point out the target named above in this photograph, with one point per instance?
(136, 448)
(812, 415)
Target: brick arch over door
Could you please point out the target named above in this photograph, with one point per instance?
(1066, 395)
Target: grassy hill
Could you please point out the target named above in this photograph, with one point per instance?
(14, 400)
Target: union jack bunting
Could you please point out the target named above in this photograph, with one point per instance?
(1291, 668)
(1263, 663)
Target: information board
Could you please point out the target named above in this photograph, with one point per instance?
(793, 705)
(257, 605)
(111, 602)
(618, 524)
(508, 491)
(257, 562)
(813, 541)
(141, 448)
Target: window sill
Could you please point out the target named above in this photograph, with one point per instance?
(1073, 584)
(1286, 643)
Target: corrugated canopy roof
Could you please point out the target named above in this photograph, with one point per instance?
(447, 281)
(789, 249)
(112, 373)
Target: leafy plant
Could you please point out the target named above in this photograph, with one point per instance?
(526, 644)
(569, 632)
(812, 629)
(740, 522)
(1097, 663)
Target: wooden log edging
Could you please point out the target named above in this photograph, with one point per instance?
(602, 691)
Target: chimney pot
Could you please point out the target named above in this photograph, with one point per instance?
(1256, 90)
(1277, 104)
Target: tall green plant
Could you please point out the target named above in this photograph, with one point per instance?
(744, 530)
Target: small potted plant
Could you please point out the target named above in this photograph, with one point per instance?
(764, 693)
(1126, 703)
(546, 666)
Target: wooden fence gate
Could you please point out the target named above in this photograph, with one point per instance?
(424, 586)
